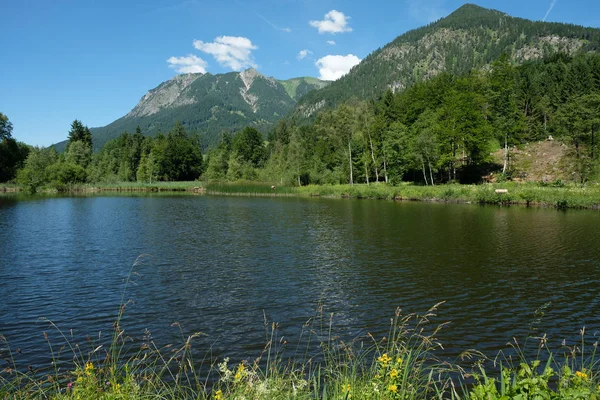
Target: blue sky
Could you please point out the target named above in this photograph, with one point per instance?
(94, 59)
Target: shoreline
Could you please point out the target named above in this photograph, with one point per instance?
(508, 194)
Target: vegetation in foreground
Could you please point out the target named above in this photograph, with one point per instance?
(402, 366)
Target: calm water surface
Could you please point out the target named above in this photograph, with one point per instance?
(224, 265)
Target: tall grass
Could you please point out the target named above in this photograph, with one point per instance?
(401, 365)
(529, 194)
(557, 194)
(249, 189)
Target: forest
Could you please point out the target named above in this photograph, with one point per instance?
(438, 131)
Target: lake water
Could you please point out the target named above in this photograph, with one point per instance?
(225, 265)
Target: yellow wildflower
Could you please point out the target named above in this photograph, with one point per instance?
(581, 374)
(219, 395)
(399, 360)
(238, 376)
(346, 388)
(241, 368)
(89, 368)
(393, 388)
(384, 359)
(117, 387)
(394, 373)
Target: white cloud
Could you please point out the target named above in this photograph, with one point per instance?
(303, 53)
(334, 22)
(331, 42)
(188, 65)
(286, 29)
(234, 52)
(333, 67)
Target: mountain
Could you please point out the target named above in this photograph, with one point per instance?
(209, 104)
(471, 37)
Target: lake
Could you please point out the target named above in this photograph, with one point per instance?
(229, 266)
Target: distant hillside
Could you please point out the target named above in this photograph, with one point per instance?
(209, 104)
(471, 37)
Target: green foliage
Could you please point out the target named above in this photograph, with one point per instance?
(5, 127)
(34, 173)
(12, 157)
(179, 156)
(248, 147)
(79, 153)
(80, 133)
(12, 153)
(61, 175)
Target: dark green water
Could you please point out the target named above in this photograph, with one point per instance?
(221, 265)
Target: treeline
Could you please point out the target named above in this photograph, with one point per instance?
(441, 130)
(175, 156)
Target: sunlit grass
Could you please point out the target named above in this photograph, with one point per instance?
(557, 195)
(403, 364)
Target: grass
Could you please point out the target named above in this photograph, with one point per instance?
(402, 365)
(557, 194)
(249, 189)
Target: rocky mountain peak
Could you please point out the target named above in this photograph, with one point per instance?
(171, 93)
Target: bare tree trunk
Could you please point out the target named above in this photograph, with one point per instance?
(350, 159)
(424, 174)
(385, 169)
(430, 173)
(453, 161)
(299, 183)
(505, 153)
(367, 173)
(373, 158)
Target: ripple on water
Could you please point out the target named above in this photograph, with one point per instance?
(229, 267)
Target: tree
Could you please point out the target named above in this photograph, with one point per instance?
(425, 145)
(6, 127)
(344, 127)
(178, 155)
(508, 120)
(34, 173)
(217, 160)
(12, 153)
(79, 153)
(12, 157)
(80, 133)
(396, 151)
(248, 145)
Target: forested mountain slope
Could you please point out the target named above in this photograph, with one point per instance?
(470, 38)
(210, 104)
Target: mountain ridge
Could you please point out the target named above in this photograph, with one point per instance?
(209, 104)
(471, 37)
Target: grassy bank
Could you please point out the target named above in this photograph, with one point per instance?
(558, 195)
(529, 194)
(510, 193)
(403, 365)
